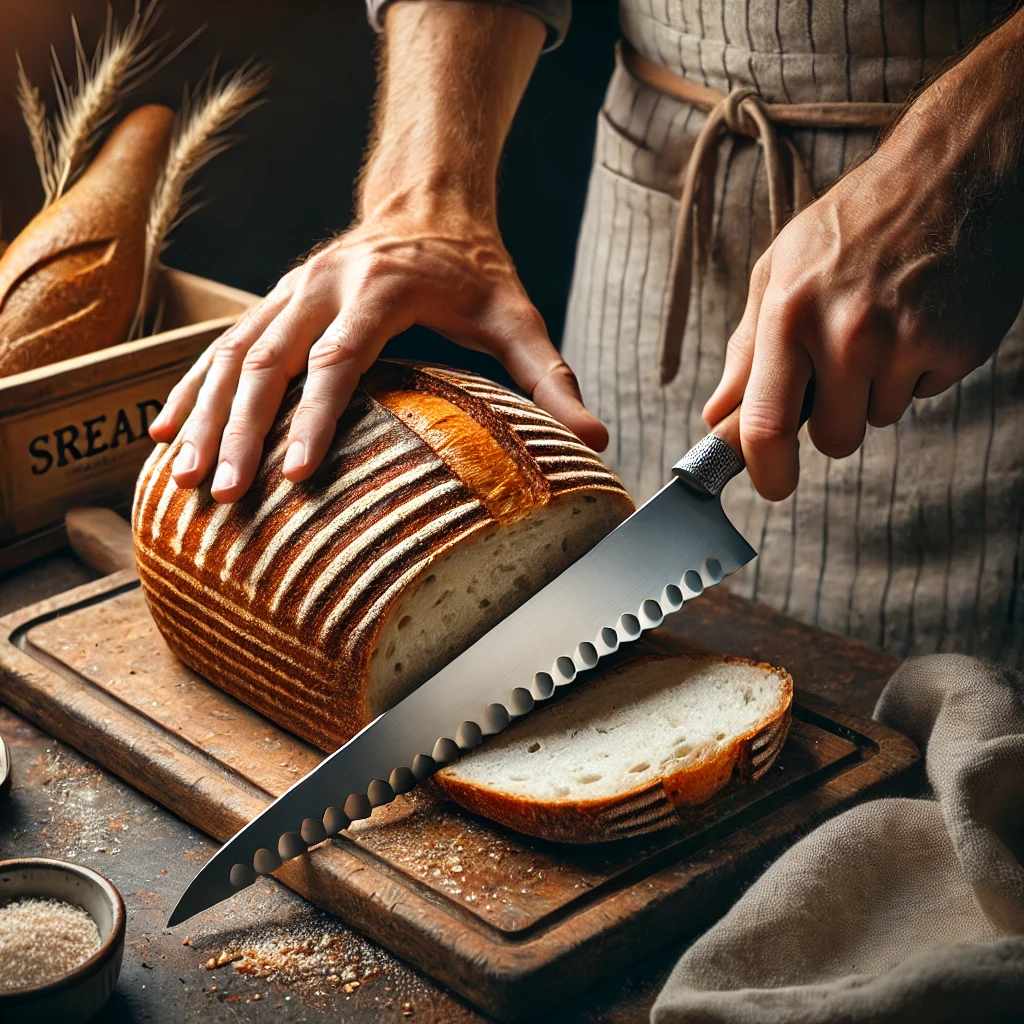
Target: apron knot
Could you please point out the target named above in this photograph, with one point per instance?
(736, 117)
(742, 112)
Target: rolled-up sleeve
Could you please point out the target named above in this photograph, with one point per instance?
(554, 13)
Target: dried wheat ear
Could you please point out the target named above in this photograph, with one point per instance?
(199, 135)
(87, 100)
(123, 59)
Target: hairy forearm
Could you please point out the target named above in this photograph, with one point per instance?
(973, 114)
(426, 250)
(452, 76)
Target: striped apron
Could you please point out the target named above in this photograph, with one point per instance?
(915, 543)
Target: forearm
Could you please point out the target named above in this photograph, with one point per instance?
(972, 116)
(452, 76)
(426, 251)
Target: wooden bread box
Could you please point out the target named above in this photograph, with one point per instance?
(75, 432)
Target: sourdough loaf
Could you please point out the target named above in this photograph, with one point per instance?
(617, 757)
(445, 501)
(70, 282)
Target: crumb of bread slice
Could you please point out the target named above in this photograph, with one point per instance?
(617, 756)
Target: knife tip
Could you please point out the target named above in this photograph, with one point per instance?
(204, 891)
(179, 914)
(192, 901)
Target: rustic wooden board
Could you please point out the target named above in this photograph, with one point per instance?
(75, 432)
(513, 924)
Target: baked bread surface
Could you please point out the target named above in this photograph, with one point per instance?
(444, 502)
(70, 281)
(622, 754)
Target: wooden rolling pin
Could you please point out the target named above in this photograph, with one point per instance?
(101, 538)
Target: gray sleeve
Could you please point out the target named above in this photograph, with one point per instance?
(554, 13)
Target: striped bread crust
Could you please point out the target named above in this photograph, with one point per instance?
(279, 598)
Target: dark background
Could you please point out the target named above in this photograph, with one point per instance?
(288, 181)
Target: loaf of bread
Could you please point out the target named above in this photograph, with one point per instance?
(445, 501)
(621, 755)
(70, 282)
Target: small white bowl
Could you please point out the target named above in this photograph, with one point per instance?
(5, 768)
(80, 993)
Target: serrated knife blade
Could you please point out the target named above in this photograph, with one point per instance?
(669, 551)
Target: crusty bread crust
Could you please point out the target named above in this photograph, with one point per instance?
(649, 807)
(70, 282)
(282, 598)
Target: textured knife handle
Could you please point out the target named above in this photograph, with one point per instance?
(708, 466)
(714, 460)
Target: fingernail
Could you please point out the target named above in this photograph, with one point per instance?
(224, 478)
(295, 457)
(185, 461)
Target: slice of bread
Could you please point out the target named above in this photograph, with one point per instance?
(616, 757)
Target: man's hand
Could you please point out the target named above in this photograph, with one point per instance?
(426, 251)
(334, 314)
(897, 282)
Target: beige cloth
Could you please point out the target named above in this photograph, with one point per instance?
(897, 910)
(915, 543)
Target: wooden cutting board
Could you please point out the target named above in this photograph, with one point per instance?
(513, 924)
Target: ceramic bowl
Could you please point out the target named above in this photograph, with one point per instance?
(81, 992)
(5, 768)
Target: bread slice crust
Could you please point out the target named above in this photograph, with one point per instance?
(650, 806)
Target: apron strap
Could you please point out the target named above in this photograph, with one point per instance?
(742, 112)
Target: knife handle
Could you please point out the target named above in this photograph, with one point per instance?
(715, 459)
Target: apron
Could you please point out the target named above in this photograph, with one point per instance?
(915, 543)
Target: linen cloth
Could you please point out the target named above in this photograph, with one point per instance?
(899, 909)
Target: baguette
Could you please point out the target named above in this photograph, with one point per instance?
(70, 282)
(620, 756)
(444, 502)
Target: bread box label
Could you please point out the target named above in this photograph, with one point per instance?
(84, 452)
(74, 442)
(76, 432)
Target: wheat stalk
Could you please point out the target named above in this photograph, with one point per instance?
(33, 110)
(118, 62)
(123, 59)
(199, 136)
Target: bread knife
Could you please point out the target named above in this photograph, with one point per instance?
(666, 553)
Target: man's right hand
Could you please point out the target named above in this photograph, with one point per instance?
(425, 251)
